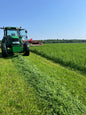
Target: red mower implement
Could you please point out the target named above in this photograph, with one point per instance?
(34, 43)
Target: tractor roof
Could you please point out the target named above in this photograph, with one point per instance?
(12, 28)
(20, 28)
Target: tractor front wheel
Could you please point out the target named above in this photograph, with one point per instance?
(4, 50)
(26, 49)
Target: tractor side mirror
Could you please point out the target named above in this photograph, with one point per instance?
(25, 31)
(26, 36)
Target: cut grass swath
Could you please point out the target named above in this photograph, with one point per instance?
(52, 96)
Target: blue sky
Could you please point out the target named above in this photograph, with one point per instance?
(46, 19)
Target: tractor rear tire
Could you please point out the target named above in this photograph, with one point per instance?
(4, 50)
(26, 49)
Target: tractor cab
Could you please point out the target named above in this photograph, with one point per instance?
(16, 34)
(13, 40)
(10, 31)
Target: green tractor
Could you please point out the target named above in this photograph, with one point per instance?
(13, 41)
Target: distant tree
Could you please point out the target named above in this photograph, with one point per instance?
(63, 41)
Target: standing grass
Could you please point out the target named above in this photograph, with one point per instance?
(71, 55)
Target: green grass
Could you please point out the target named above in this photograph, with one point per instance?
(74, 82)
(58, 90)
(36, 86)
(71, 55)
(16, 97)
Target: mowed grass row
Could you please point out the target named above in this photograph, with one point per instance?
(59, 90)
(72, 55)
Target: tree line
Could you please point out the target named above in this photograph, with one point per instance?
(63, 41)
